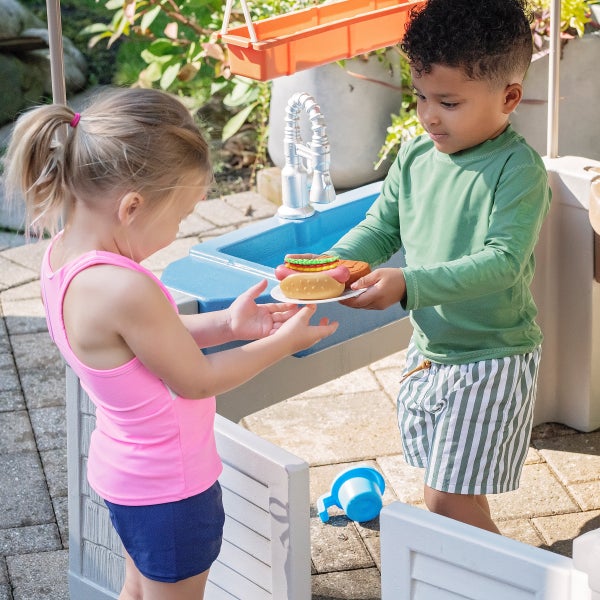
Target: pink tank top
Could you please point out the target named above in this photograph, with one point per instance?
(149, 445)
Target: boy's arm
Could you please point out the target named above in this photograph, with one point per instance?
(521, 202)
(377, 237)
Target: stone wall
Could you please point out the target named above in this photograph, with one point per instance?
(25, 76)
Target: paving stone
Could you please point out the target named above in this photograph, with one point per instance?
(54, 463)
(522, 531)
(24, 495)
(61, 510)
(26, 540)
(9, 379)
(40, 576)
(17, 435)
(574, 458)
(539, 494)
(36, 351)
(29, 255)
(337, 546)
(405, 480)
(332, 429)
(393, 361)
(389, 380)
(369, 533)
(49, 427)
(11, 398)
(221, 214)
(361, 380)
(560, 531)
(358, 584)
(46, 390)
(587, 494)
(12, 274)
(27, 291)
(252, 205)
(24, 316)
(551, 430)
(533, 456)
(195, 225)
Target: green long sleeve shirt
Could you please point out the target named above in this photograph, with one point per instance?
(468, 223)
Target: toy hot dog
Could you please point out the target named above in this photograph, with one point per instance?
(312, 278)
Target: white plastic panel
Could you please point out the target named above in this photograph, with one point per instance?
(425, 556)
(266, 548)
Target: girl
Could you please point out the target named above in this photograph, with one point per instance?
(130, 168)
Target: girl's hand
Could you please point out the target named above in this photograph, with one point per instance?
(251, 321)
(301, 333)
(386, 287)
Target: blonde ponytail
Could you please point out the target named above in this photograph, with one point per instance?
(130, 139)
(34, 166)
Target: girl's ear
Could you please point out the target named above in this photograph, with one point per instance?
(130, 206)
(513, 94)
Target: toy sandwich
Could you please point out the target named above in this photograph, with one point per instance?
(307, 277)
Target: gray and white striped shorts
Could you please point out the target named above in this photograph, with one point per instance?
(468, 425)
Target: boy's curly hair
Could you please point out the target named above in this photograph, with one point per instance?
(488, 39)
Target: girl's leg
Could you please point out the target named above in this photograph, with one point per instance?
(139, 587)
(132, 588)
(473, 510)
(191, 588)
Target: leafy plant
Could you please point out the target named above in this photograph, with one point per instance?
(179, 50)
(574, 16)
(405, 125)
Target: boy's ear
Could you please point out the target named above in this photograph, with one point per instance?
(129, 206)
(513, 94)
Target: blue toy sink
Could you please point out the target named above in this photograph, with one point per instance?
(218, 270)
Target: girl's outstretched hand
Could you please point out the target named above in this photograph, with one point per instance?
(301, 333)
(251, 321)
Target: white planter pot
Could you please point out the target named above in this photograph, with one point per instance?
(578, 122)
(357, 114)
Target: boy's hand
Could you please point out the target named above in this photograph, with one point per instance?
(385, 287)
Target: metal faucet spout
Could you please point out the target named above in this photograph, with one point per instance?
(304, 161)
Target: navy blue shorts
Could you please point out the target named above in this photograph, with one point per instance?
(175, 540)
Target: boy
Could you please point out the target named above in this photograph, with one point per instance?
(465, 202)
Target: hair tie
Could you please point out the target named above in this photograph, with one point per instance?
(75, 120)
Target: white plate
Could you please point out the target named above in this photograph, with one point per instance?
(281, 297)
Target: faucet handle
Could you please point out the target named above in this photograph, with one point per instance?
(321, 189)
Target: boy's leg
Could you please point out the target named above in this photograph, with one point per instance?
(467, 508)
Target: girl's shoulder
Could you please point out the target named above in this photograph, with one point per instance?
(115, 283)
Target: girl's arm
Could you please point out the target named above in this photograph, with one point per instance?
(243, 320)
(145, 320)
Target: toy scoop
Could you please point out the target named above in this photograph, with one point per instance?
(357, 491)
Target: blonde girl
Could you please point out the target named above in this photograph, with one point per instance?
(122, 175)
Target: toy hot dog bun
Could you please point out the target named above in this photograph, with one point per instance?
(312, 278)
(357, 269)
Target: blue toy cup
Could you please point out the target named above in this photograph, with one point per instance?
(358, 491)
